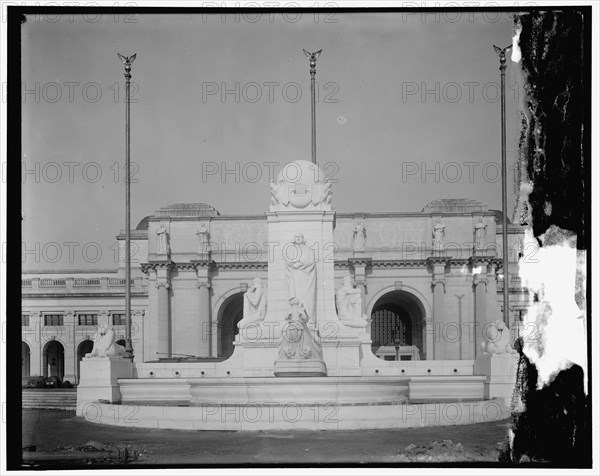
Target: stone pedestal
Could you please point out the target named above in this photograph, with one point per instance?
(99, 377)
(300, 368)
(500, 371)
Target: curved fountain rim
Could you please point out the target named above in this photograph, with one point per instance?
(388, 379)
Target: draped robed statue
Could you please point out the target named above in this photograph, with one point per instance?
(301, 274)
(255, 301)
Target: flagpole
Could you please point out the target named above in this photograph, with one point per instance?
(505, 309)
(313, 107)
(128, 345)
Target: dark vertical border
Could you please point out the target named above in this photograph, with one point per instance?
(13, 249)
(586, 45)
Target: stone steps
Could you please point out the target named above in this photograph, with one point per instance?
(59, 399)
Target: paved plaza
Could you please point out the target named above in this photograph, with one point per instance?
(172, 447)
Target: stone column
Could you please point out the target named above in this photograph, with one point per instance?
(480, 286)
(104, 318)
(163, 347)
(439, 308)
(362, 285)
(44, 365)
(35, 344)
(207, 329)
(70, 352)
(437, 266)
(137, 333)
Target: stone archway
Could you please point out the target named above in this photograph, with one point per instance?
(230, 313)
(398, 313)
(54, 359)
(84, 347)
(25, 359)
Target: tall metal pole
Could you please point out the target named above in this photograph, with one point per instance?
(128, 345)
(313, 106)
(506, 311)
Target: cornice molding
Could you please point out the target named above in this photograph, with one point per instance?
(154, 265)
(241, 265)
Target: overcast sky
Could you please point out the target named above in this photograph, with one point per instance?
(375, 126)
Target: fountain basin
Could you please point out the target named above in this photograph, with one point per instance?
(291, 417)
(299, 391)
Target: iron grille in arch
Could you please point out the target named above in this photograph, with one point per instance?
(384, 325)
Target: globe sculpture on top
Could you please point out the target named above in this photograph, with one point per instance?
(300, 185)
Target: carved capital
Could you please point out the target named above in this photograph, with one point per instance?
(480, 279)
(162, 283)
(202, 284)
(156, 265)
(436, 281)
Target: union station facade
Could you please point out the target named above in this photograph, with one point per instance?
(430, 281)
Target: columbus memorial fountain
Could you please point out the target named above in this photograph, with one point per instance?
(302, 356)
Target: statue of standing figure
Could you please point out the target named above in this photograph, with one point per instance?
(359, 236)
(480, 234)
(203, 239)
(255, 302)
(162, 243)
(297, 340)
(438, 235)
(301, 274)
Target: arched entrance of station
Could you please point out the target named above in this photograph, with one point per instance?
(230, 313)
(54, 359)
(84, 347)
(25, 359)
(398, 314)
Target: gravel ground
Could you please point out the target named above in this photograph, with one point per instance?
(452, 444)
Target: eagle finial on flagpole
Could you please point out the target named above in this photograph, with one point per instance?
(127, 60)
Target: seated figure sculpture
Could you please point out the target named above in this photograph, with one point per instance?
(255, 303)
(297, 339)
(348, 301)
(105, 345)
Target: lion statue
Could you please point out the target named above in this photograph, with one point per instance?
(496, 339)
(105, 345)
